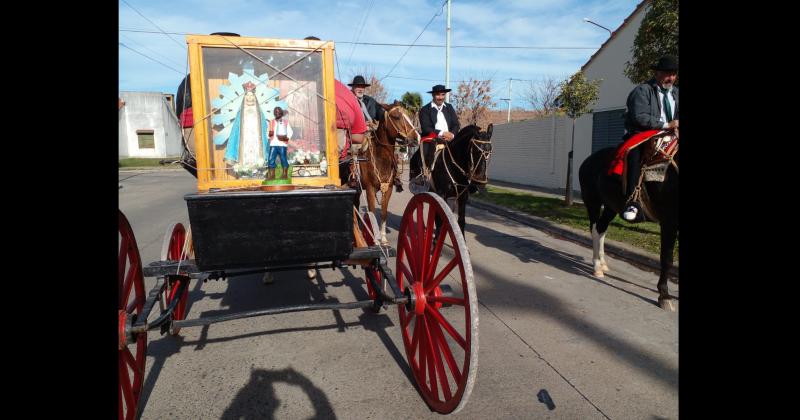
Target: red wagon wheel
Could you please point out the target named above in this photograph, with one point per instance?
(172, 249)
(371, 232)
(131, 302)
(440, 331)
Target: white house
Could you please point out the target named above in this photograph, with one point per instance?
(535, 152)
(148, 126)
(605, 127)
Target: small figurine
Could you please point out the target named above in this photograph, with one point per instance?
(279, 134)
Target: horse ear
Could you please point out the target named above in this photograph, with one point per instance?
(384, 106)
(489, 130)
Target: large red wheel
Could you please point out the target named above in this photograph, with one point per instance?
(131, 356)
(371, 233)
(177, 246)
(441, 341)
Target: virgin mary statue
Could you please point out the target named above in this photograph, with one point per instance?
(248, 144)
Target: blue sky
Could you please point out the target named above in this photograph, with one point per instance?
(541, 23)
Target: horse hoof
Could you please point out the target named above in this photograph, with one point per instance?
(268, 278)
(666, 304)
(604, 267)
(599, 274)
(384, 242)
(312, 273)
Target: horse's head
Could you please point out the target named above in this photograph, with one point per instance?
(480, 152)
(399, 126)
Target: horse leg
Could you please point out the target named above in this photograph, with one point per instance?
(385, 214)
(593, 207)
(669, 234)
(600, 229)
(461, 203)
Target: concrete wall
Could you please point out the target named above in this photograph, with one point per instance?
(148, 111)
(532, 152)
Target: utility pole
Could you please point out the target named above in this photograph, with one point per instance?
(447, 54)
(508, 119)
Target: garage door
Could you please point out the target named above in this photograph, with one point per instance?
(607, 129)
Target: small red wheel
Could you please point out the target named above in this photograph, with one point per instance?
(371, 232)
(131, 302)
(441, 341)
(177, 246)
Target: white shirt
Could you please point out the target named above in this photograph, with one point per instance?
(671, 100)
(441, 121)
(282, 128)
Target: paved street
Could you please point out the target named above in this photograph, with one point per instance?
(600, 348)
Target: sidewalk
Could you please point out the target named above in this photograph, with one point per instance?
(631, 254)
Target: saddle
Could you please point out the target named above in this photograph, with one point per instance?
(657, 154)
(423, 181)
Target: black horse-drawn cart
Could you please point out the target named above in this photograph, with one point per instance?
(237, 226)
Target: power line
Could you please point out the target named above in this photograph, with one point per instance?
(151, 50)
(364, 22)
(385, 44)
(415, 40)
(154, 24)
(147, 56)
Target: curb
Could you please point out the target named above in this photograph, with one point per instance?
(634, 256)
(147, 169)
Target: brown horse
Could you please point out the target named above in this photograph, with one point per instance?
(378, 172)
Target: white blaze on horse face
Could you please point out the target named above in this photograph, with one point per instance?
(410, 124)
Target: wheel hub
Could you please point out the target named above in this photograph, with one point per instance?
(123, 336)
(420, 300)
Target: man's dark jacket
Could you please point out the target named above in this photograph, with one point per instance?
(375, 111)
(644, 108)
(427, 119)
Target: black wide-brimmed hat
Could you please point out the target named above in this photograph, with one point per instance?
(439, 88)
(666, 63)
(359, 81)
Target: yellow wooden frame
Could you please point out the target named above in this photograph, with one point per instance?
(201, 109)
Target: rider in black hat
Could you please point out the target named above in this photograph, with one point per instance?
(437, 120)
(373, 113)
(652, 105)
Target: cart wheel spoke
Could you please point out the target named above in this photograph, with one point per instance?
(437, 357)
(442, 274)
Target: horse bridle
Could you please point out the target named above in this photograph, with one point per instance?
(484, 155)
(406, 133)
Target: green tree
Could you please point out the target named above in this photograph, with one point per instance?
(412, 102)
(575, 98)
(657, 36)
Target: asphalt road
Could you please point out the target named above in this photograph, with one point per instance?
(600, 348)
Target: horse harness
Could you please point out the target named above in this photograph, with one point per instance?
(659, 155)
(371, 150)
(442, 148)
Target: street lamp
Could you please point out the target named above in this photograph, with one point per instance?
(596, 24)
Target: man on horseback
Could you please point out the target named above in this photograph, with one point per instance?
(373, 114)
(438, 123)
(652, 105)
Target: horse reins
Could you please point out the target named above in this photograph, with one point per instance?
(485, 155)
